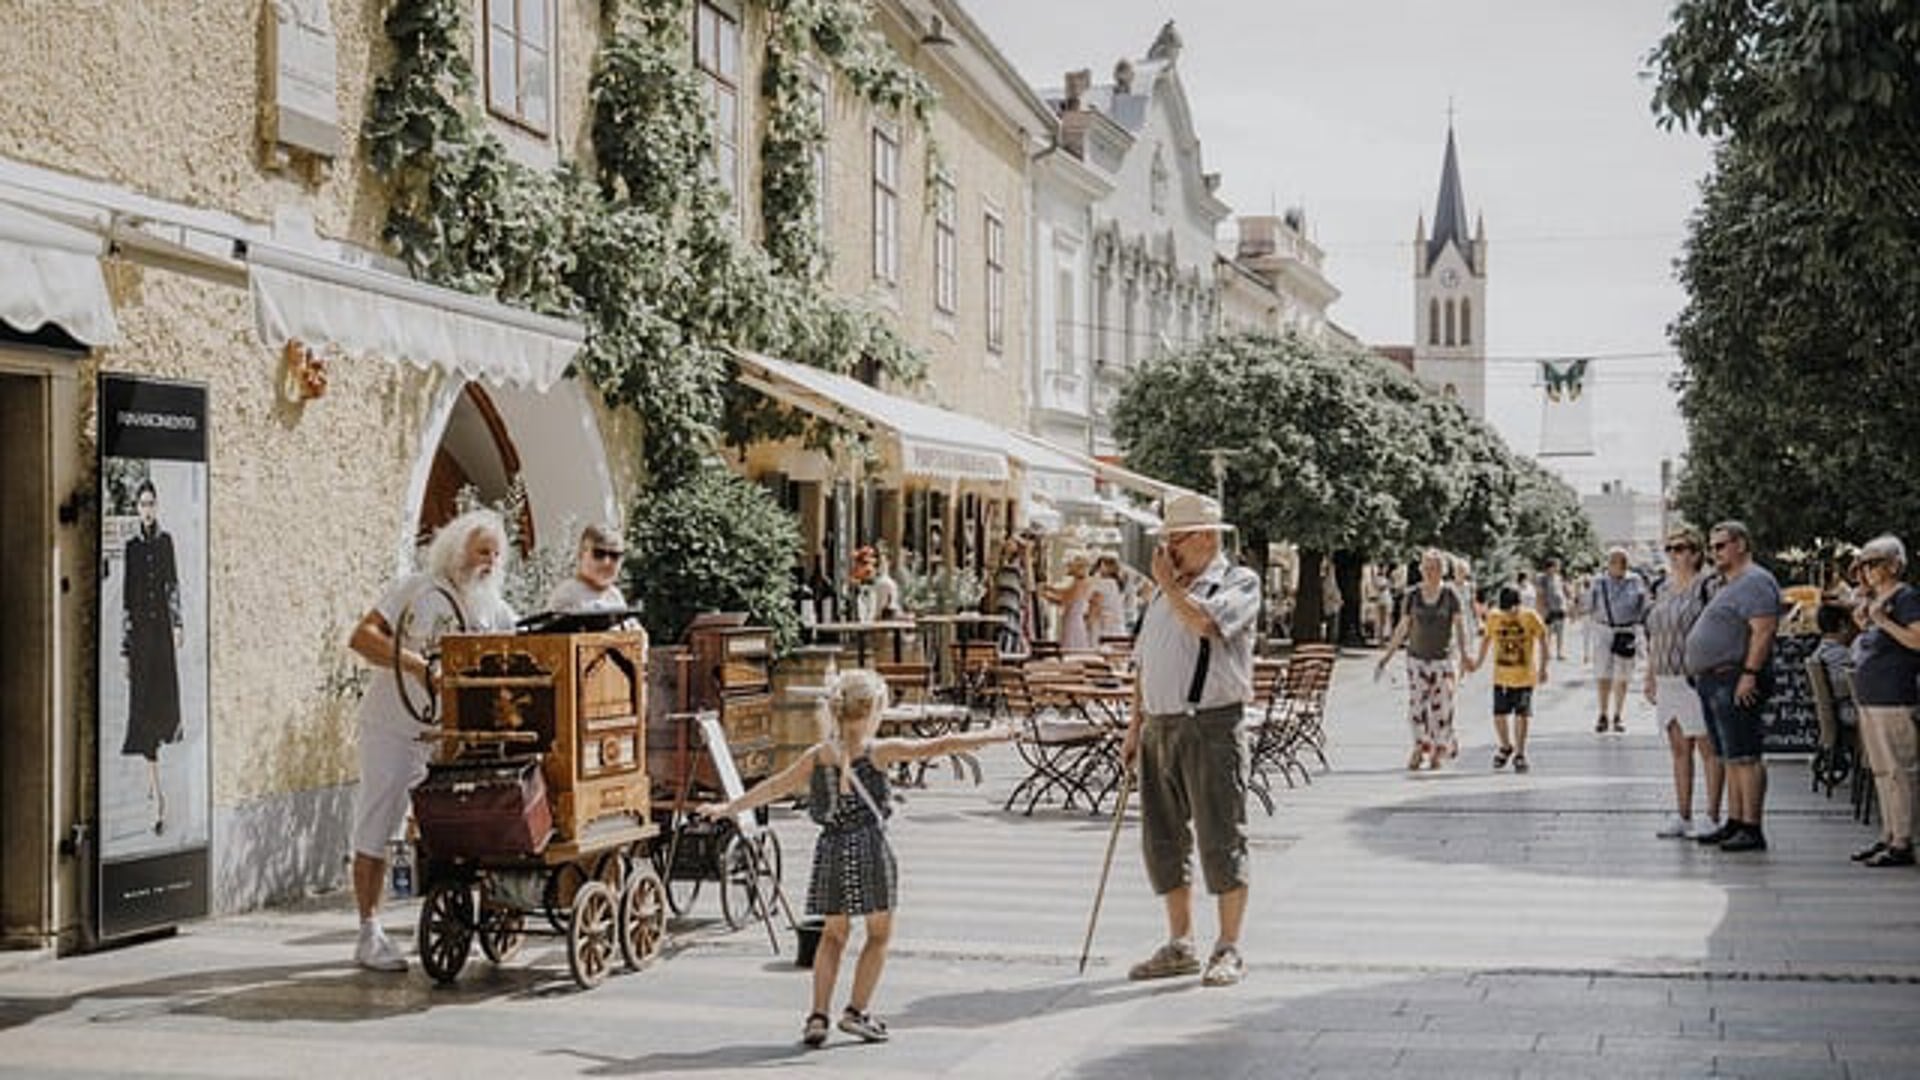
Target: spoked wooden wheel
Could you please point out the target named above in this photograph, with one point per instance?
(502, 931)
(446, 930)
(682, 885)
(563, 885)
(740, 889)
(591, 933)
(643, 917)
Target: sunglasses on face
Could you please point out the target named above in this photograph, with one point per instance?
(608, 554)
(1673, 549)
(1718, 545)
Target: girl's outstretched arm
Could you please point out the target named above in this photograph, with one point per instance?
(786, 780)
(890, 751)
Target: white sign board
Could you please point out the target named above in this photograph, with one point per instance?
(715, 738)
(302, 80)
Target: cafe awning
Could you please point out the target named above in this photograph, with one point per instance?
(50, 274)
(325, 302)
(932, 441)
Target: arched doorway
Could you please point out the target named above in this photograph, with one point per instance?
(475, 450)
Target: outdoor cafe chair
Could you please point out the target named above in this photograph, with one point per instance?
(1837, 755)
(1067, 753)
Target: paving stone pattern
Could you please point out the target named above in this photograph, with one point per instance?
(1452, 924)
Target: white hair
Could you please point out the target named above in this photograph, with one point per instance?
(1886, 547)
(447, 553)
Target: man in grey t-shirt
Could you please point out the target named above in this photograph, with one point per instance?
(1726, 651)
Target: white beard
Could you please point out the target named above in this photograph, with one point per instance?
(480, 594)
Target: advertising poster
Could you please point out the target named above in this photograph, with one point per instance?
(152, 757)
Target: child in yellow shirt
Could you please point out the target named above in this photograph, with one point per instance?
(1516, 635)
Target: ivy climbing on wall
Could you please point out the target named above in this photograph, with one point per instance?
(645, 250)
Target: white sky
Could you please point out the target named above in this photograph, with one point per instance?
(1341, 106)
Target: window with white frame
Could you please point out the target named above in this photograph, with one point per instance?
(519, 63)
(996, 282)
(886, 206)
(946, 247)
(1103, 317)
(1064, 359)
(716, 54)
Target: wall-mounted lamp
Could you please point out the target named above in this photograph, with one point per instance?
(304, 373)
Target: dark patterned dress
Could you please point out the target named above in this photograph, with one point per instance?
(853, 868)
(151, 613)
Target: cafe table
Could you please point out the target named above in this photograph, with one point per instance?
(861, 633)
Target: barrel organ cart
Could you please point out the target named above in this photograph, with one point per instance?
(540, 809)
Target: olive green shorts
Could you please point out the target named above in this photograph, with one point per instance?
(1194, 769)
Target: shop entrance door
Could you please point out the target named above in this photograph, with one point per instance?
(26, 660)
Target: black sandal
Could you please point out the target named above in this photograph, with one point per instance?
(815, 1032)
(1502, 756)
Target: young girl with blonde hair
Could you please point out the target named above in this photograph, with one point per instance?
(853, 866)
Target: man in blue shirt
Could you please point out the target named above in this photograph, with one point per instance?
(1617, 605)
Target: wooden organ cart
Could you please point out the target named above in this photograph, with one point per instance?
(724, 672)
(541, 806)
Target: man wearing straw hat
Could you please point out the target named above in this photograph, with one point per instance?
(1194, 655)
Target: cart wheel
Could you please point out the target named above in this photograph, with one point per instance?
(590, 934)
(611, 868)
(446, 930)
(563, 884)
(770, 862)
(682, 889)
(643, 917)
(739, 892)
(502, 931)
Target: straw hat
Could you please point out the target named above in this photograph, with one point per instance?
(1190, 512)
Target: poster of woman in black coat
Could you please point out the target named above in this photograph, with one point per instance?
(150, 641)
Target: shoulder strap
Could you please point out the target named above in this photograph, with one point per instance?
(1607, 600)
(1203, 661)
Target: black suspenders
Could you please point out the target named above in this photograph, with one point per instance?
(1202, 661)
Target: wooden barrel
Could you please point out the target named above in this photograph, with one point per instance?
(798, 680)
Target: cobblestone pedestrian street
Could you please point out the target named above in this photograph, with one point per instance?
(1460, 923)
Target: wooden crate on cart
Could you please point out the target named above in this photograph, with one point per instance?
(583, 695)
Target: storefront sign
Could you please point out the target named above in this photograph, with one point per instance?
(302, 110)
(950, 461)
(152, 756)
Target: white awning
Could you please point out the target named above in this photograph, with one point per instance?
(1063, 476)
(325, 302)
(50, 273)
(933, 441)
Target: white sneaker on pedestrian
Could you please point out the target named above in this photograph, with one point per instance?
(1705, 827)
(1675, 828)
(375, 952)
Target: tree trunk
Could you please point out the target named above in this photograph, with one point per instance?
(1308, 608)
(1253, 552)
(1346, 572)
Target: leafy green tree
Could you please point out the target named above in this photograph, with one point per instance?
(716, 542)
(1800, 335)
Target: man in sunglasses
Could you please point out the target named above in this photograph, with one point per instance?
(594, 585)
(1727, 653)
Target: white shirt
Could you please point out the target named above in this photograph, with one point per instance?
(1167, 652)
(576, 595)
(428, 615)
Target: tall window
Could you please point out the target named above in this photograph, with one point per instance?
(1450, 326)
(996, 283)
(821, 86)
(1103, 317)
(1433, 322)
(1063, 313)
(886, 206)
(1129, 323)
(946, 247)
(716, 53)
(519, 63)
(1466, 320)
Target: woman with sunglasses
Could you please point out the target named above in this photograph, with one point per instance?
(594, 585)
(1677, 602)
(1886, 662)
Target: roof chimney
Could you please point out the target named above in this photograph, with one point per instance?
(1078, 83)
(1123, 76)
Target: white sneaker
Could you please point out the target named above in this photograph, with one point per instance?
(375, 952)
(1705, 827)
(1675, 828)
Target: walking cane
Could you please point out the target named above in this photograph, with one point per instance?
(1113, 840)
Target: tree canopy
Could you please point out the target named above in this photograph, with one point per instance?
(1337, 449)
(1799, 336)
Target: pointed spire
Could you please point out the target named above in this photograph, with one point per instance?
(1450, 210)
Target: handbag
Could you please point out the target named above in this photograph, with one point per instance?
(1623, 644)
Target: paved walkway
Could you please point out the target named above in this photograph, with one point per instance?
(1461, 923)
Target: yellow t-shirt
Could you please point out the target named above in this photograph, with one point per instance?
(1514, 634)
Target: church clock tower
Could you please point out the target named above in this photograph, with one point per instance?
(1450, 294)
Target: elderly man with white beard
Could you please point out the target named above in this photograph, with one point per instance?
(460, 587)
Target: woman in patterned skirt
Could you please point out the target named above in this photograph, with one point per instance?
(853, 867)
(1431, 621)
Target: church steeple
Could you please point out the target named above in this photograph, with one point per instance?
(1450, 210)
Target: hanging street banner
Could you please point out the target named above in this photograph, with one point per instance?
(152, 757)
(1566, 409)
